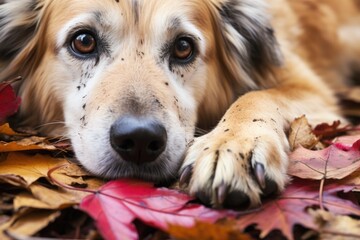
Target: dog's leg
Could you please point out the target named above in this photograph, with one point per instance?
(245, 157)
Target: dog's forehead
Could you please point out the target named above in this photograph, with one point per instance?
(139, 14)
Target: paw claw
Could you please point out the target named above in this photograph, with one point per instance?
(185, 176)
(259, 172)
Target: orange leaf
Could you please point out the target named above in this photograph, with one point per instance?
(208, 231)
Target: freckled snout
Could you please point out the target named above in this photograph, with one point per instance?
(138, 140)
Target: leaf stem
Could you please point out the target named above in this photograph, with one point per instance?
(322, 182)
(321, 192)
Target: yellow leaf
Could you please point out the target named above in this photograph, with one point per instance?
(33, 167)
(46, 198)
(28, 222)
(28, 200)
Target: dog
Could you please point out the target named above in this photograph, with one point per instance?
(129, 82)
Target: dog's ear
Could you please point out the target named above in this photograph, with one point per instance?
(21, 45)
(18, 22)
(248, 36)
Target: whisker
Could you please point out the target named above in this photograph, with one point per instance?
(199, 132)
(59, 139)
(50, 123)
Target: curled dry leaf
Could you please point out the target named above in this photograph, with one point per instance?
(326, 131)
(336, 162)
(300, 134)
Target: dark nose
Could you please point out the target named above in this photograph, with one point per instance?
(138, 140)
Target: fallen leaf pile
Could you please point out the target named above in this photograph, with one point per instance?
(44, 194)
(29, 201)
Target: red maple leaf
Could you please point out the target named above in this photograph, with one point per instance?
(337, 161)
(290, 208)
(327, 131)
(118, 203)
(9, 102)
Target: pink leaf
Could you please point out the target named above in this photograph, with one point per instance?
(336, 162)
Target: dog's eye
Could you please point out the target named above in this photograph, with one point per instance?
(84, 43)
(183, 48)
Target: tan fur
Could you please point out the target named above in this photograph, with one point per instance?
(253, 102)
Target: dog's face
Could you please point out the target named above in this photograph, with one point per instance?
(132, 74)
(130, 78)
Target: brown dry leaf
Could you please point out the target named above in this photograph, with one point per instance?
(26, 199)
(300, 133)
(28, 222)
(13, 180)
(336, 227)
(46, 198)
(25, 144)
(33, 167)
(208, 231)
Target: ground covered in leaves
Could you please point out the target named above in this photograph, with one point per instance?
(44, 195)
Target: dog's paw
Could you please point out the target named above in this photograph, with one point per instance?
(236, 168)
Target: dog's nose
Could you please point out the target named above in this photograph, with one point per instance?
(138, 140)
